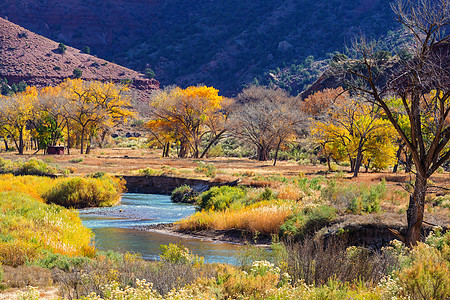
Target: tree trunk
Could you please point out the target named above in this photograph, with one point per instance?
(88, 147)
(183, 149)
(276, 153)
(357, 162)
(352, 164)
(6, 145)
(367, 165)
(166, 150)
(102, 139)
(408, 163)
(399, 152)
(415, 211)
(21, 142)
(82, 141)
(68, 137)
(263, 153)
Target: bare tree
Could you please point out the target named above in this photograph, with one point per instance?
(421, 81)
(266, 118)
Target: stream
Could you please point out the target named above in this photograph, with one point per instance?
(114, 228)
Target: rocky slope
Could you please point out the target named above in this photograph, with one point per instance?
(26, 56)
(225, 43)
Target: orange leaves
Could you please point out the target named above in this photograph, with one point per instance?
(319, 102)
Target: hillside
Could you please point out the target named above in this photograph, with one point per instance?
(225, 43)
(26, 56)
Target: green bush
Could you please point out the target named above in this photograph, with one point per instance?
(77, 73)
(178, 254)
(86, 192)
(267, 194)
(86, 50)
(61, 262)
(221, 198)
(76, 160)
(150, 73)
(354, 198)
(1, 273)
(62, 48)
(184, 194)
(150, 172)
(308, 220)
(34, 167)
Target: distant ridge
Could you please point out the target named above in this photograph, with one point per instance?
(26, 56)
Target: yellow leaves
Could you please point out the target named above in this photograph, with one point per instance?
(186, 114)
(89, 105)
(353, 125)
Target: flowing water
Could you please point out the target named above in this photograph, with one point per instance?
(114, 228)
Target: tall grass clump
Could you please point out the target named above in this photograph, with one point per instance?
(81, 192)
(29, 228)
(207, 169)
(263, 217)
(307, 221)
(354, 198)
(30, 185)
(31, 167)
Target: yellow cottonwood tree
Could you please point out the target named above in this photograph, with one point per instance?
(189, 116)
(95, 106)
(15, 113)
(357, 131)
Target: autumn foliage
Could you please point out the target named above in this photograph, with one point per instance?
(187, 117)
(75, 109)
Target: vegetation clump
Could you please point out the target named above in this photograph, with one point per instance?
(207, 169)
(31, 167)
(62, 48)
(30, 227)
(86, 192)
(221, 198)
(184, 194)
(355, 199)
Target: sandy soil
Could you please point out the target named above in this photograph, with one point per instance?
(128, 161)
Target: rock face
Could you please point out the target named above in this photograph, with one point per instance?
(26, 56)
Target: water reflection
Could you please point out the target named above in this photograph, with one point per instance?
(113, 228)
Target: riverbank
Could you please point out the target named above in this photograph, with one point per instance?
(372, 230)
(233, 236)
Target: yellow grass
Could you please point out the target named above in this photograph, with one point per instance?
(263, 217)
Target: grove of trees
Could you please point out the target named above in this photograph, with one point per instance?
(75, 109)
(420, 81)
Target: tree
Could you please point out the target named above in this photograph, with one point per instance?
(353, 129)
(266, 118)
(95, 106)
(86, 50)
(423, 85)
(62, 48)
(15, 114)
(49, 120)
(150, 73)
(77, 73)
(191, 116)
